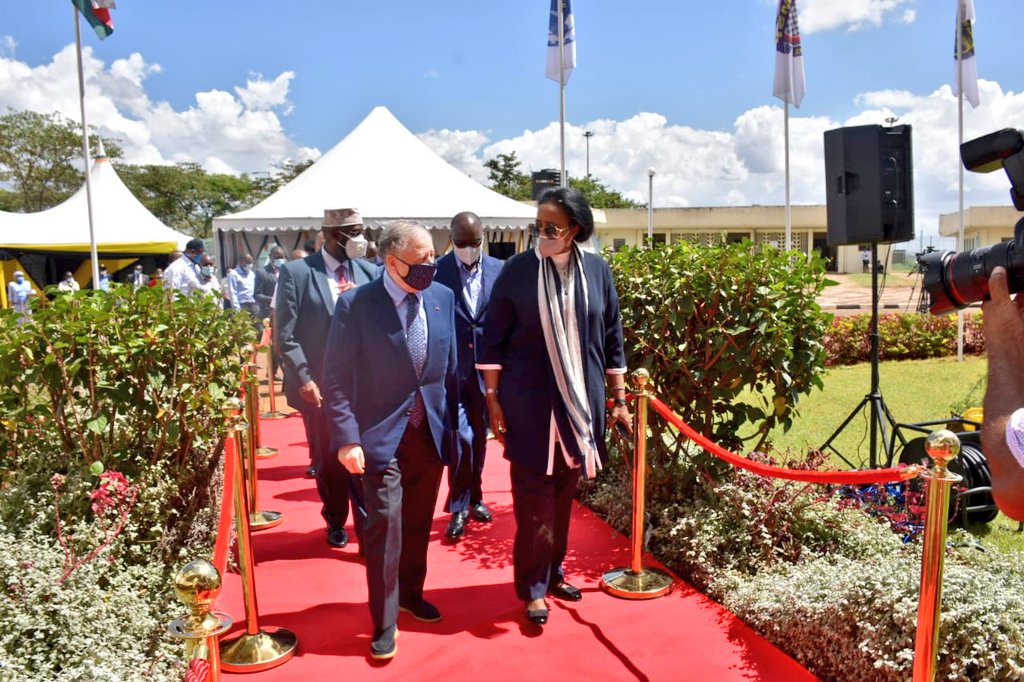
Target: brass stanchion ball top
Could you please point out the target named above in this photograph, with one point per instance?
(197, 583)
(231, 405)
(641, 378)
(942, 446)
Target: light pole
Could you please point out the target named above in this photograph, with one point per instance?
(588, 134)
(650, 208)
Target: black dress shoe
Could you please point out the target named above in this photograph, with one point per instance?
(457, 526)
(383, 645)
(311, 471)
(480, 512)
(538, 616)
(337, 537)
(422, 611)
(564, 590)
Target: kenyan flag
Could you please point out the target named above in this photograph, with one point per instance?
(97, 13)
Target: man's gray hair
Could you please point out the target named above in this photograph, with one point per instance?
(397, 236)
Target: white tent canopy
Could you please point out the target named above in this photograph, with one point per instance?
(386, 172)
(122, 224)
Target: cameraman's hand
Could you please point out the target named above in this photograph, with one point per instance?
(1003, 320)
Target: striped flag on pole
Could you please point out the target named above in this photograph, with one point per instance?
(97, 13)
(968, 68)
(789, 83)
(569, 33)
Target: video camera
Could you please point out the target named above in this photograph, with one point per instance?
(955, 280)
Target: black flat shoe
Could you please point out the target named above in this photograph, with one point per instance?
(538, 616)
(564, 590)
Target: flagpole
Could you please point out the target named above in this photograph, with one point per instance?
(93, 254)
(960, 166)
(789, 216)
(562, 179)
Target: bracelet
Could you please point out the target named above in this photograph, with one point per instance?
(619, 402)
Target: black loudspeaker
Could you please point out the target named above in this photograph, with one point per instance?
(869, 185)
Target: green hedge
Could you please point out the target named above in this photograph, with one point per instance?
(112, 429)
(910, 336)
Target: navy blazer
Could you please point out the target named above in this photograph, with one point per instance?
(514, 339)
(372, 407)
(302, 317)
(469, 327)
(266, 283)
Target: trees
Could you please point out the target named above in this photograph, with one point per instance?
(40, 159)
(601, 196)
(506, 177)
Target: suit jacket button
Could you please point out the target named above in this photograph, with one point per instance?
(408, 413)
(470, 345)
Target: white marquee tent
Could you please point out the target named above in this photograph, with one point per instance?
(383, 170)
(124, 227)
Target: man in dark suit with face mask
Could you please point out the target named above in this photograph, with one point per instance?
(307, 291)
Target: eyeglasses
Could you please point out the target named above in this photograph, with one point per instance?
(547, 230)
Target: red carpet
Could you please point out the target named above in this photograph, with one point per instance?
(320, 594)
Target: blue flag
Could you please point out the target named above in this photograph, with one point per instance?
(569, 34)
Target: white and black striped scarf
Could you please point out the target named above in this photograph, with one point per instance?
(562, 338)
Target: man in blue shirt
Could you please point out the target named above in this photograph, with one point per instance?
(242, 286)
(18, 293)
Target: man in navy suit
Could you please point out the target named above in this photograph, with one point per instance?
(307, 291)
(392, 425)
(469, 274)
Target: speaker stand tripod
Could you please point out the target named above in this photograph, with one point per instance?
(881, 419)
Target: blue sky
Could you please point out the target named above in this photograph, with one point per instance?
(682, 86)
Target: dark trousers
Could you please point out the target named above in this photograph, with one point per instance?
(337, 487)
(465, 480)
(542, 506)
(399, 511)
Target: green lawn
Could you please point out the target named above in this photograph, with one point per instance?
(915, 391)
(895, 279)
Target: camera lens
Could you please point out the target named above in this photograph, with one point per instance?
(956, 280)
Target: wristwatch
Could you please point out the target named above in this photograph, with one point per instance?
(619, 402)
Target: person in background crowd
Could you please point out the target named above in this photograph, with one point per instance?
(138, 277)
(553, 333)
(307, 291)
(208, 282)
(242, 286)
(1002, 431)
(182, 273)
(104, 283)
(18, 292)
(266, 280)
(371, 253)
(68, 285)
(312, 245)
(157, 277)
(175, 255)
(865, 260)
(394, 426)
(298, 254)
(470, 275)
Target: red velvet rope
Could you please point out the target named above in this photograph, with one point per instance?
(227, 506)
(860, 477)
(198, 671)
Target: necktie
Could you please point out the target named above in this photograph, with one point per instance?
(342, 276)
(416, 338)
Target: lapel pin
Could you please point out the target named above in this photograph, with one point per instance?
(437, 308)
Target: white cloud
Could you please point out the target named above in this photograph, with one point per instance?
(231, 133)
(824, 15)
(8, 46)
(745, 165)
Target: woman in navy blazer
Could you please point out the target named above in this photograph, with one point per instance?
(553, 337)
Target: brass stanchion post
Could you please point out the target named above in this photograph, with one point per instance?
(197, 586)
(942, 446)
(253, 411)
(271, 387)
(636, 582)
(255, 649)
(258, 519)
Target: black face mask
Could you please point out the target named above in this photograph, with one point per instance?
(420, 275)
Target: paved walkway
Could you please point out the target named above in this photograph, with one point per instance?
(900, 294)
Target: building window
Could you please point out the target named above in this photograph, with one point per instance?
(618, 244)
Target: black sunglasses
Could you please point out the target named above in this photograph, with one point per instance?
(547, 230)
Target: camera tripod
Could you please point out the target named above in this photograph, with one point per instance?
(881, 419)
